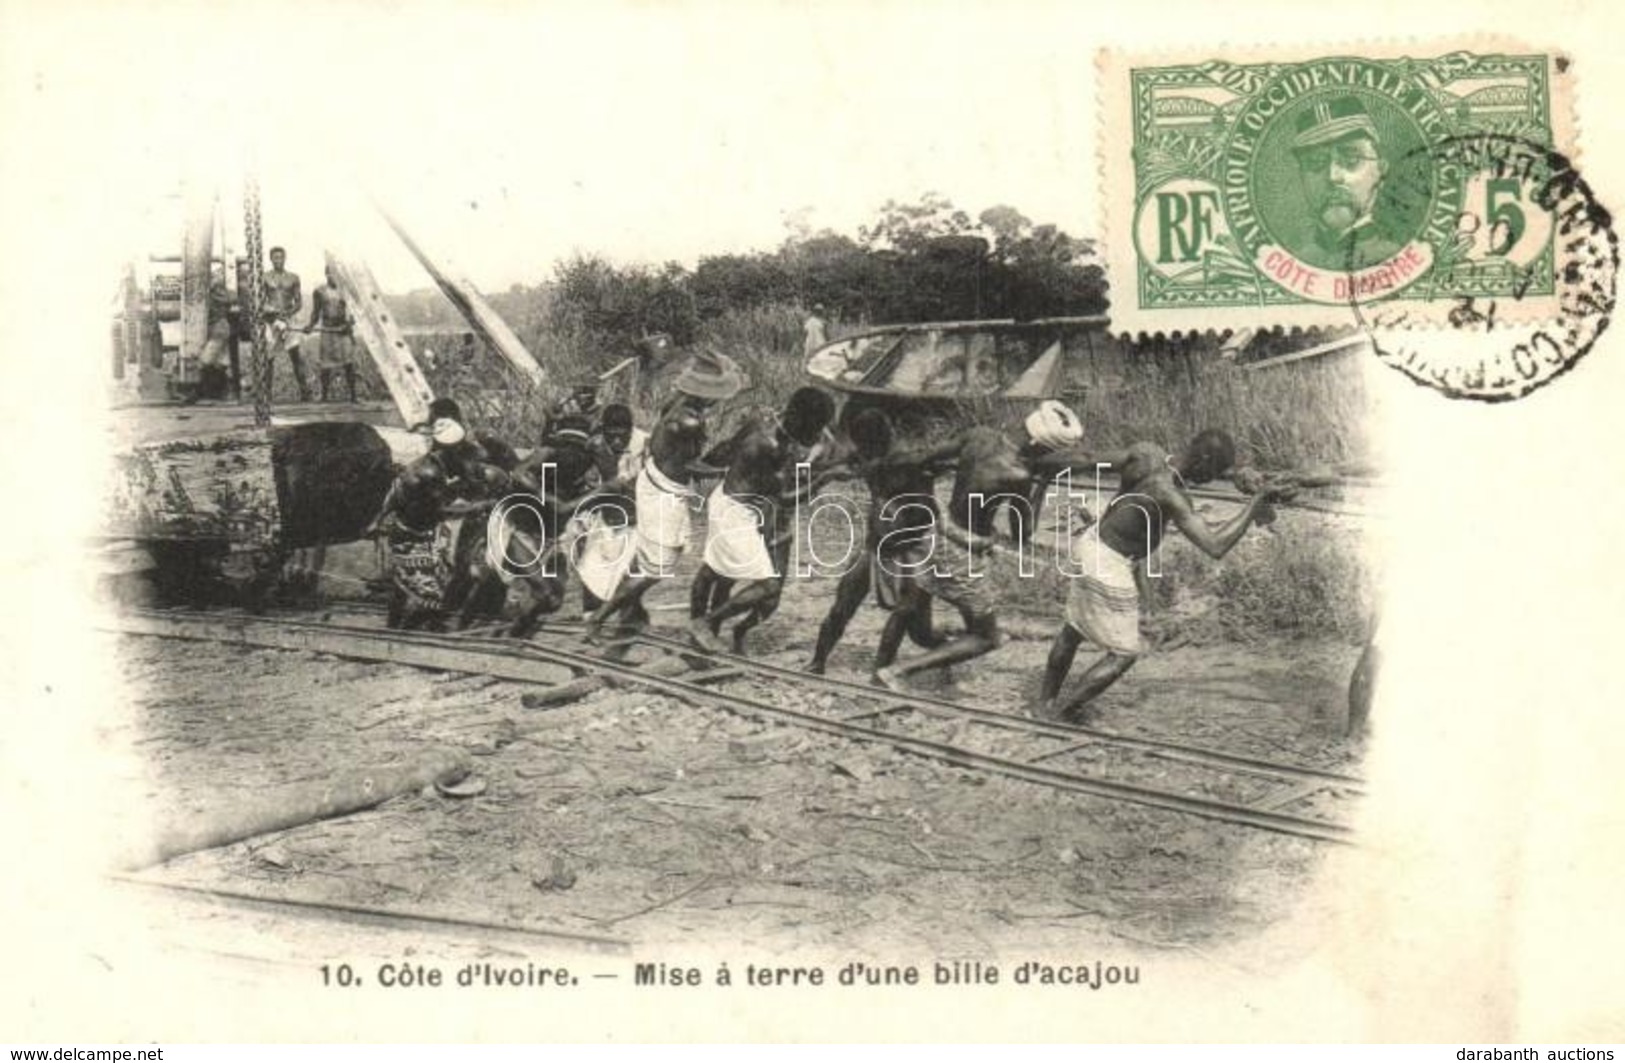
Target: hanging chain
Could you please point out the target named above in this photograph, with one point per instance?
(259, 359)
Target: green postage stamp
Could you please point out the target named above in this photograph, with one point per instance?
(1248, 190)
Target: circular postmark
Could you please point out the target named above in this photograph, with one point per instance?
(1526, 228)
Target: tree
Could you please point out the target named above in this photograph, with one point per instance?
(907, 227)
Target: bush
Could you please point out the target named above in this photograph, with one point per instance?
(1306, 579)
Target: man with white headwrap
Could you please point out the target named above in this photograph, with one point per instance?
(1051, 448)
(471, 457)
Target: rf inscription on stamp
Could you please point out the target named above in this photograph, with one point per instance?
(1245, 192)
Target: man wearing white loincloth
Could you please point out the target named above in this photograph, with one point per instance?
(1103, 598)
(281, 299)
(664, 494)
(601, 538)
(749, 517)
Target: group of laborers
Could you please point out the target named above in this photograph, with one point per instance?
(918, 552)
(619, 506)
(436, 521)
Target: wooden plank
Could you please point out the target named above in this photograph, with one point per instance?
(1332, 347)
(197, 254)
(376, 329)
(475, 310)
(1290, 795)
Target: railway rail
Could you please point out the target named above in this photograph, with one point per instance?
(1289, 799)
(476, 931)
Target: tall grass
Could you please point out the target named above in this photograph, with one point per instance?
(1289, 416)
(1305, 577)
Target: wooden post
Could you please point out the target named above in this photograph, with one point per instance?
(475, 310)
(250, 815)
(197, 255)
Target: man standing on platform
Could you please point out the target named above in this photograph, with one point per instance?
(281, 299)
(330, 315)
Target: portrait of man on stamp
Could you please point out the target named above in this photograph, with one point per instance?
(1341, 162)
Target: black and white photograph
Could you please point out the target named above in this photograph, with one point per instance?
(669, 522)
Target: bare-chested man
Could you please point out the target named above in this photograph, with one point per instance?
(903, 508)
(620, 444)
(941, 567)
(1103, 600)
(330, 316)
(664, 492)
(749, 517)
(281, 299)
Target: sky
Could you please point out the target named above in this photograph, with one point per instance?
(507, 136)
(506, 141)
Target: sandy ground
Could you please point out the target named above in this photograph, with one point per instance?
(636, 816)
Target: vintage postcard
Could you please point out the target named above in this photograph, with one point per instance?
(708, 522)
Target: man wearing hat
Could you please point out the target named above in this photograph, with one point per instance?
(664, 491)
(1341, 165)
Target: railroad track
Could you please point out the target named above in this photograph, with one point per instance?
(1285, 798)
